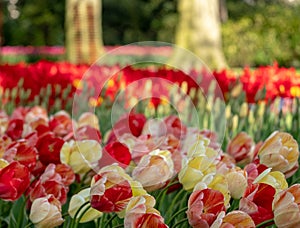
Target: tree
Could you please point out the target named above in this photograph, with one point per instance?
(83, 31)
(199, 32)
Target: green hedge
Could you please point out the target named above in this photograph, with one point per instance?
(261, 34)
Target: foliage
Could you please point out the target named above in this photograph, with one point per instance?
(262, 33)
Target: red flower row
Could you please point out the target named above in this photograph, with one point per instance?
(278, 82)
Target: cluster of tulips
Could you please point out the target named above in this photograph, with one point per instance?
(63, 79)
(126, 178)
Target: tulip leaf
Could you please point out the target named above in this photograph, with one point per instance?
(18, 216)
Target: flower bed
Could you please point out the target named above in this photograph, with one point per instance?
(149, 167)
(56, 170)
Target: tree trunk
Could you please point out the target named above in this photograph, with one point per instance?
(199, 31)
(83, 31)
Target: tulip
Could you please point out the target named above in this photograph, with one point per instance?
(132, 123)
(86, 133)
(286, 206)
(175, 126)
(82, 156)
(219, 183)
(140, 212)
(50, 182)
(253, 171)
(66, 173)
(154, 169)
(88, 119)
(77, 201)
(35, 114)
(49, 147)
(237, 182)
(14, 180)
(45, 212)
(23, 153)
(280, 152)
(204, 207)
(195, 170)
(15, 129)
(112, 188)
(237, 219)
(257, 202)
(276, 179)
(61, 124)
(115, 152)
(241, 148)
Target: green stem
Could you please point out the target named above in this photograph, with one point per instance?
(110, 219)
(77, 213)
(80, 217)
(28, 225)
(21, 217)
(102, 220)
(119, 226)
(174, 201)
(177, 213)
(180, 222)
(265, 222)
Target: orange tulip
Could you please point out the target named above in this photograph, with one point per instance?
(286, 207)
(280, 152)
(154, 169)
(241, 148)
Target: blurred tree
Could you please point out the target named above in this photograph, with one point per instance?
(34, 22)
(83, 31)
(130, 21)
(199, 31)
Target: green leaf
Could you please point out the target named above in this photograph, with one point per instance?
(18, 216)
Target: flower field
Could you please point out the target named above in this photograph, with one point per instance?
(133, 161)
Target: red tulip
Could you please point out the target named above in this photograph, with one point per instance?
(14, 180)
(115, 152)
(110, 190)
(49, 147)
(15, 129)
(61, 124)
(204, 207)
(132, 123)
(23, 153)
(50, 182)
(257, 202)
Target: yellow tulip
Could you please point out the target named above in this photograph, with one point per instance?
(276, 179)
(195, 170)
(82, 156)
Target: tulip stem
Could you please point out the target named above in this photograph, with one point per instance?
(73, 223)
(110, 219)
(265, 222)
(119, 226)
(180, 222)
(174, 201)
(177, 213)
(80, 216)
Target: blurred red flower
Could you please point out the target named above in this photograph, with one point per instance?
(14, 180)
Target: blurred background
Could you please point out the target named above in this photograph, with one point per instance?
(252, 33)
